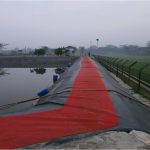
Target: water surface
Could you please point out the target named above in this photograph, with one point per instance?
(17, 84)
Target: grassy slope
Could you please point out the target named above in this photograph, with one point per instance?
(141, 61)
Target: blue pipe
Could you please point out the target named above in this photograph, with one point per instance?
(43, 92)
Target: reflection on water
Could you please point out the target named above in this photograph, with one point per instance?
(59, 70)
(22, 83)
(38, 70)
(3, 72)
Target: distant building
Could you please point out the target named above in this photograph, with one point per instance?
(69, 50)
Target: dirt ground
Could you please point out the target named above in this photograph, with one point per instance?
(108, 140)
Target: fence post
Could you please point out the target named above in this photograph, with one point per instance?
(129, 69)
(103, 60)
(109, 63)
(140, 72)
(118, 66)
(113, 63)
(122, 66)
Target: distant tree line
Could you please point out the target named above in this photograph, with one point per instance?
(59, 51)
(127, 50)
(44, 49)
(2, 45)
(41, 51)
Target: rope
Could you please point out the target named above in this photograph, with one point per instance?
(7, 106)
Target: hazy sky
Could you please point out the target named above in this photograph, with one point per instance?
(60, 23)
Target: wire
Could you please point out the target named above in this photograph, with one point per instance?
(7, 106)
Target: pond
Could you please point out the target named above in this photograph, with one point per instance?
(18, 84)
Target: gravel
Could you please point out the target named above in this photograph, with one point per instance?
(108, 140)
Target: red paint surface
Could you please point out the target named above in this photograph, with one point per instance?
(85, 111)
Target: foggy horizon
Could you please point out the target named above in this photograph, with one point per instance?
(61, 23)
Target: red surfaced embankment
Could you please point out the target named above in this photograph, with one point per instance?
(86, 110)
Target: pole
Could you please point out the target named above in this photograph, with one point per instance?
(97, 42)
(90, 43)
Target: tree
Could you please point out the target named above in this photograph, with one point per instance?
(59, 51)
(111, 46)
(2, 45)
(40, 70)
(41, 51)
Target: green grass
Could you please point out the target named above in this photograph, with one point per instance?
(135, 69)
(145, 93)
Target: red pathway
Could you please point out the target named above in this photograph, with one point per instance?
(86, 110)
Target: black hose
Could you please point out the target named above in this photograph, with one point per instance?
(7, 106)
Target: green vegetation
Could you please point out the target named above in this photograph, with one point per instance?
(122, 50)
(41, 51)
(138, 67)
(59, 51)
(2, 45)
(141, 64)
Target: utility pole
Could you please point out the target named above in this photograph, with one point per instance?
(89, 52)
(25, 53)
(97, 42)
(90, 43)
